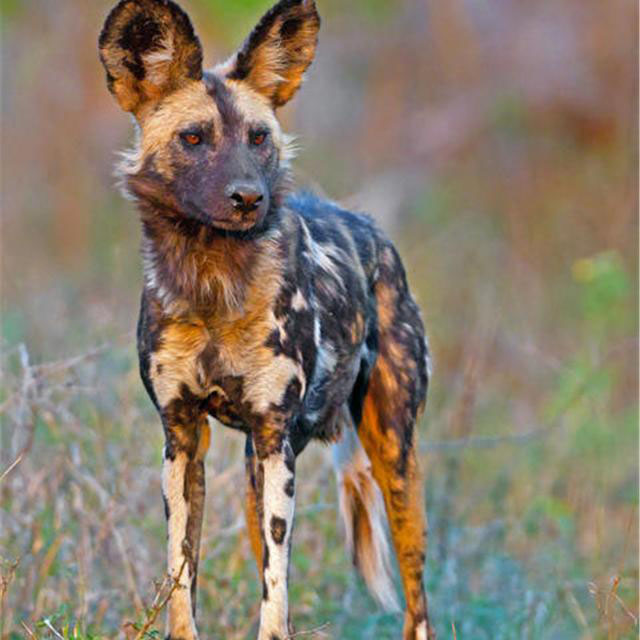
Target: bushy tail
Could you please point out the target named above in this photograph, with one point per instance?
(363, 512)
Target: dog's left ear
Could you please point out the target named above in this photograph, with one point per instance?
(148, 49)
(275, 56)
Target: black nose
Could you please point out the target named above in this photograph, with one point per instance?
(245, 197)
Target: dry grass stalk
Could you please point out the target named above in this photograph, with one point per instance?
(28, 630)
(6, 578)
(310, 632)
(160, 601)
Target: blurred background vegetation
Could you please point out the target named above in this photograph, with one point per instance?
(497, 143)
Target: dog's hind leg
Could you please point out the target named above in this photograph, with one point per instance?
(392, 399)
(394, 467)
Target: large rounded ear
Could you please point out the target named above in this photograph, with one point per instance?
(148, 49)
(275, 56)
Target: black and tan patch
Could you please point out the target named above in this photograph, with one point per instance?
(279, 50)
(148, 48)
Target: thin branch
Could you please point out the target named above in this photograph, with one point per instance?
(48, 368)
(52, 628)
(106, 500)
(626, 609)
(26, 628)
(10, 468)
(486, 442)
(157, 607)
(310, 632)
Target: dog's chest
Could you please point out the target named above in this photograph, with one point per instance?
(240, 368)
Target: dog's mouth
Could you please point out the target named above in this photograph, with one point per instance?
(229, 220)
(242, 222)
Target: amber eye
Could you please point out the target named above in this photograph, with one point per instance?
(257, 137)
(191, 138)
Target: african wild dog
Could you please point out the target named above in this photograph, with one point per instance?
(279, 314)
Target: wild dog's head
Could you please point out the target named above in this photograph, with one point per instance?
(209, 146)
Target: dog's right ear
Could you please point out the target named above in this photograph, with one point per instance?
(148, 49)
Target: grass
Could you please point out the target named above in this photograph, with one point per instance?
(532, 534)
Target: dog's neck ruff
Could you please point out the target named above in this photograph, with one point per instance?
(191, 266)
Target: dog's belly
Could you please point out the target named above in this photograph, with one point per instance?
(225, 410)
(317, 415)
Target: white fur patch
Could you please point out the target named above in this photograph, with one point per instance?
(157, 62)
(321, 256)
(298, 303)
(353, 470)
(317, 334)
(421, 631)
(325, 361)
(268, 385)
(429, 361)
(290, 148)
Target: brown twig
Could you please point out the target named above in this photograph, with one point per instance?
(26, 628)
(55, 366)
(158, 605)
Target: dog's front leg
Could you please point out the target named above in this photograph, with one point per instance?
(183, 491)
(276, 479)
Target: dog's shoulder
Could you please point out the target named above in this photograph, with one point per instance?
(343, 241)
